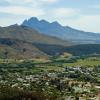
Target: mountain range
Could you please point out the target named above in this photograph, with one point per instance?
(62, 32)
(36, 38)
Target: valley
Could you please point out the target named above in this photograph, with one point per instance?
(56, 78)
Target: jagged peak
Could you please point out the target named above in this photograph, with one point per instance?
(33, 19)
(25, 21)
(55, 23)
(44, 21)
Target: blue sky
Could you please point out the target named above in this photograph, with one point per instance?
(79, 14)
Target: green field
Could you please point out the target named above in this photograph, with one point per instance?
(85, 62)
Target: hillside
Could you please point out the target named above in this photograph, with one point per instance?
(18, 49)
(62, 32)
(75, 50)
(29, 35)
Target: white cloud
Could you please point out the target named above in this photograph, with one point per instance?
(49, 1)
(18, 1)
(18, 10)
(89, 22)
(26, 7)
(6, 21)
(85, 22)
(64, 12)
(32, 2)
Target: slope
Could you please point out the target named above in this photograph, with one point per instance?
(18, 49)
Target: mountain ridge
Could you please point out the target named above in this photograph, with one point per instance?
(62, 32)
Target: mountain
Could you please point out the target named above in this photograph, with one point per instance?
(22, 42)
(62, 32)
(29, 35)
